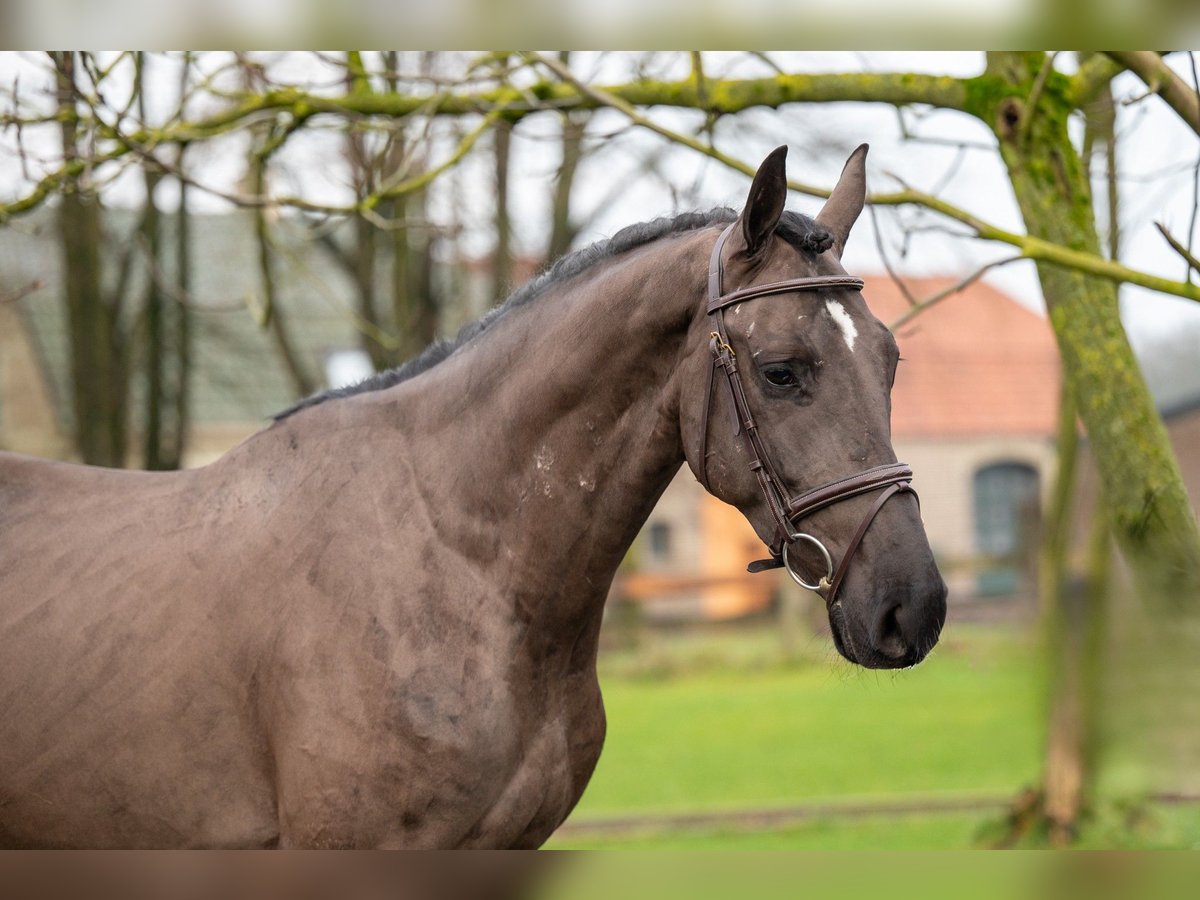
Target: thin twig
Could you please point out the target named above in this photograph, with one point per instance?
(1177, 246)
(175, 291)
(1035, 95)
(887, 263)
(941, 295)
(1196, 174)
(19, 293)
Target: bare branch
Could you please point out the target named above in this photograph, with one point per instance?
(19, 293)
(883, 255)
(1031, 247)
(1189, 258)
(1162, 80)
(570, 92)
(921, 306)
(1094, 75)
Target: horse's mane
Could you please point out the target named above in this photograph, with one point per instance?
(797, 229)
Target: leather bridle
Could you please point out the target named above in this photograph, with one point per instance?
(787, 510)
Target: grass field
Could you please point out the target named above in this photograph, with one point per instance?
(701, 724)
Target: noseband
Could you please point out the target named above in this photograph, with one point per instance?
(787, 510)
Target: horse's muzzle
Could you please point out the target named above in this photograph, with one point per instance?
(899, 630)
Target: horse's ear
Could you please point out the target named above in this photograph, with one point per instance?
(841, 210)
(764, 206)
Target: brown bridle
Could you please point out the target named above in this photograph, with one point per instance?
(787, 510)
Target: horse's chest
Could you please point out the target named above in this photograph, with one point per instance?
(489, 762)
(554, 767)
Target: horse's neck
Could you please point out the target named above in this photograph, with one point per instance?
(559, 429)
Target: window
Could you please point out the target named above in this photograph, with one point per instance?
(1006, 507)
(659, 537)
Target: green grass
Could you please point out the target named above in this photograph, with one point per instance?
(1148, 827)
(712, 726)
(883, 833)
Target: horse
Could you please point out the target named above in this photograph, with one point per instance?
(375, 622)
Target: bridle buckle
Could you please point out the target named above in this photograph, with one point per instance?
(719, 346)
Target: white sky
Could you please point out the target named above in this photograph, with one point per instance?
(1157, 151)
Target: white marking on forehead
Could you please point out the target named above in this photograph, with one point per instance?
(842, 319)
(750, 330)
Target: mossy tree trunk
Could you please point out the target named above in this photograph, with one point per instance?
(1072, 617)
(1148, 507)
(1144, 504)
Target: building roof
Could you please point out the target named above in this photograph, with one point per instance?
(237, 374)
(977, 363)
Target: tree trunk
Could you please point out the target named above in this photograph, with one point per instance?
(414, 302)
(98, 378)
(363, 254)
(178, 400)
(162, 440)
(1147, 503)
(367, 171)
(562, 226)
(155, 337)
(272, 316)
(1061, 613)
(502, 256)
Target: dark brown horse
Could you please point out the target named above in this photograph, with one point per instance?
(374, 623)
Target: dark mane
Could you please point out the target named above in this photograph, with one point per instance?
(798, 230)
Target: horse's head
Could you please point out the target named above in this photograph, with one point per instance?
(805, 370)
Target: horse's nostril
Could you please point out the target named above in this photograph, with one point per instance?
(888, 637)
(906, 626)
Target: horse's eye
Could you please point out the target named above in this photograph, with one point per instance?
(780, 376)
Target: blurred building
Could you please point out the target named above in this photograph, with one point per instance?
(1183, 426)
(239, 378)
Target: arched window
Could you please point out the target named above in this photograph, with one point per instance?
(1006, 507)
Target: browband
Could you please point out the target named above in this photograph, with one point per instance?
(814, 283)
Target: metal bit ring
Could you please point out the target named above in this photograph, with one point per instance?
(796, 577)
